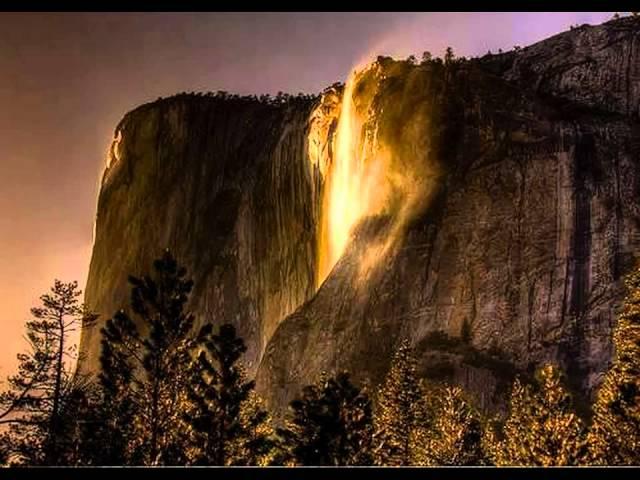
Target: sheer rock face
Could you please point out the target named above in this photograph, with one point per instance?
(515, 260)
(224, 185)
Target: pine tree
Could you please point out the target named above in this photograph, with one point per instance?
(401, 416)
(456, 435)
(225, 421)
(114, 414)
(614, 437)
(146, 376)
(77, 426)
(39, 394)
(256, 445)
(331, 424)
(541, 429)
(449, 56)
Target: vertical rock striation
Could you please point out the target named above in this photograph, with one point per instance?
(224, 184)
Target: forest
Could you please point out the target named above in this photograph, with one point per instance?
(169, 393)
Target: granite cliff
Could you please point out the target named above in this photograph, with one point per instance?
(501, 212)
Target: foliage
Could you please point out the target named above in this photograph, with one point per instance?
(38, 403)
(144, 377)
(331, 424)
(401, 416)
(541, 428)
(614, 437)
(449, 56)
(280, 99)
(426, 57)
(456, 435)
(165, 396)
(225, 422)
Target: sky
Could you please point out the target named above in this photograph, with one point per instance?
(66, 79)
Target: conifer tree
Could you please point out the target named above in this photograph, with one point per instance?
(256, 445)
(331, 424)
(614, 437)
(113, 417)
(226, 424)
(449, 56)
(76, 436)
(146, 375)
(456, 435)
(401, 416)
(541, 428)
(38, 396)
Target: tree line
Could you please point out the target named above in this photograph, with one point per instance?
(171, 394)
(281, 98)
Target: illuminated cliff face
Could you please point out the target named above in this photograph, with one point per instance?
(369, 171)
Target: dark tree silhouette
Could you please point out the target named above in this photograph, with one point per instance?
(145, 376)
(330, 425)
(449, 56)
(39, 395)
(226, 424)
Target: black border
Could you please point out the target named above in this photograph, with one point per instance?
(334, 473)
(322, 473)
(323, 6)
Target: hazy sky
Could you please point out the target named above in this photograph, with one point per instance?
(66, 80)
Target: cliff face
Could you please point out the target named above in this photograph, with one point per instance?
(223, 185)
(505, 215)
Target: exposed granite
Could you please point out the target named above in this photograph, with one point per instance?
(514, 257)
(221, 183)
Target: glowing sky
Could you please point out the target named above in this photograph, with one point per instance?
(67, 79)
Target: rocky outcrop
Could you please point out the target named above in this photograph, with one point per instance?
(511, 257)
(223, 184)
(596, 67)
(518, 259)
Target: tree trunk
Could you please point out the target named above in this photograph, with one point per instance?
(55, 414)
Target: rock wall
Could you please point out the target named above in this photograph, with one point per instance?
(513, 259)
(224, 184)
(518, 260)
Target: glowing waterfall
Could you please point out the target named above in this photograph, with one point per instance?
(349, 184)
(374, 170)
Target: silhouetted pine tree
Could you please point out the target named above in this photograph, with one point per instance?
(226, 425)
(113, 418)
(449, 56)
(146, 376)
(456, 435)
(76, 436)
(330, 425)
(541, 428)
(426, 57)
(40, 393)
(614, 437)
(401, 415)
